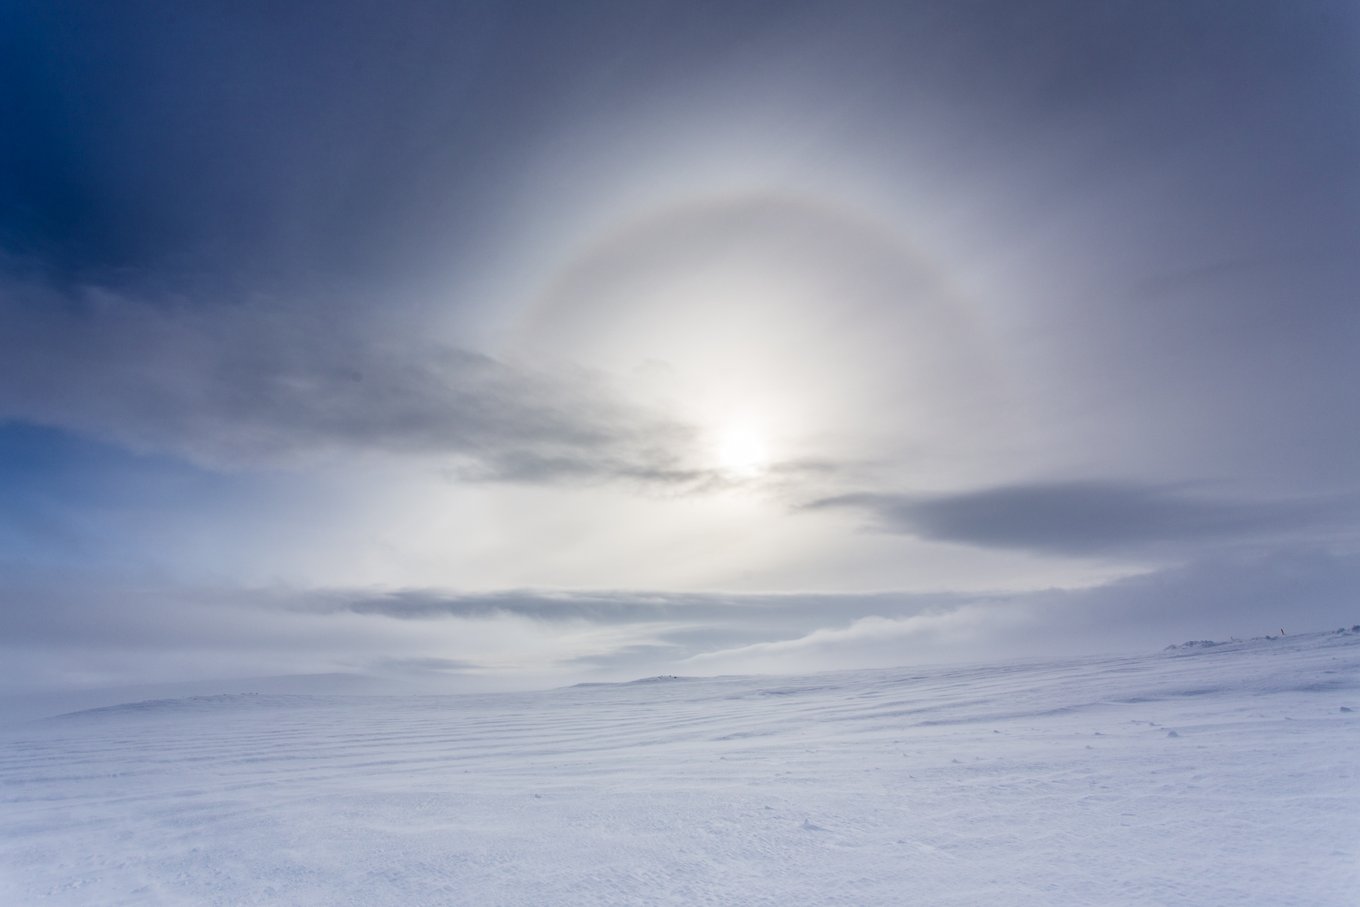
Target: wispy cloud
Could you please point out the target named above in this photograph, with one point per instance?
(870, 640)
(74, 630)
(1216, 597)
(234, 385)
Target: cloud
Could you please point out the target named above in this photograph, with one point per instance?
(603, 607)
(68, 628)
(1213, 598)
(690, 620)
(240, 385)
(65, 628)
(1093, 518)
(873, 640)
(428, 665)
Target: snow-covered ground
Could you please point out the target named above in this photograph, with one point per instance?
(1199, 776)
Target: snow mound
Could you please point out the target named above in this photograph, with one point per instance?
(1194, 644)
(660, 678)
(641, 681)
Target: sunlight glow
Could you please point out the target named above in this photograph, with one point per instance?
(742, 452)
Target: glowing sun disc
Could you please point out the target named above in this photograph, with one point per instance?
(741, 452)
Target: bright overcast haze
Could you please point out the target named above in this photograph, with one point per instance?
(508, 345)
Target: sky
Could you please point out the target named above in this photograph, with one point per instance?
(486, 345)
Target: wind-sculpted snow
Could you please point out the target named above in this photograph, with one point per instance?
(1214, 775)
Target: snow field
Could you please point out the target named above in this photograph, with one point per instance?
(1223, 775)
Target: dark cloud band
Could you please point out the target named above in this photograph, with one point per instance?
(1092, 518)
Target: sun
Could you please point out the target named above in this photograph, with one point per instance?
(741, 451)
